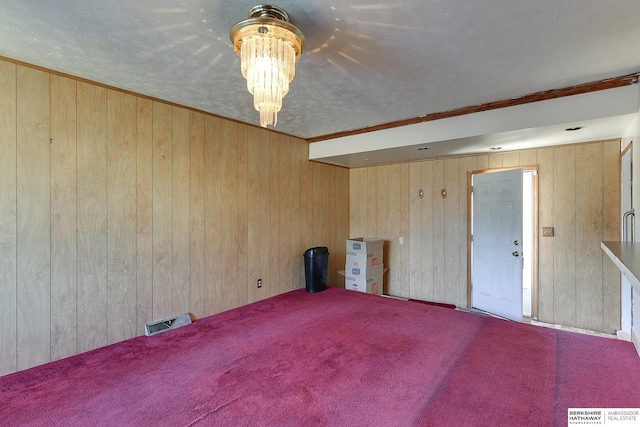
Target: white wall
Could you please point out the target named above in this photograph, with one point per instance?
(633, 135)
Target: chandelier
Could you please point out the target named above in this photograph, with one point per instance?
(268, 46)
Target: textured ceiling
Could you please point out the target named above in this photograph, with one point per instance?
(366, 63)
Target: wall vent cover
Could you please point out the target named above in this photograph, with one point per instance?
(163, 325)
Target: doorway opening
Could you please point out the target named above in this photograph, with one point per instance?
(527, 241)
(528, 290)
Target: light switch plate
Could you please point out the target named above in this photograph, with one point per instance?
(547, 231)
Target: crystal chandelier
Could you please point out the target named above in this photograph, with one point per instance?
(268, 46)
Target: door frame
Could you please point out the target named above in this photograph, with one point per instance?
(626, 292)
(534, 266)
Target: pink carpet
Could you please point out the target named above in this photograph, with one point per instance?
(331, 358)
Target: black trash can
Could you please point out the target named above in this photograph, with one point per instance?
(316, 268)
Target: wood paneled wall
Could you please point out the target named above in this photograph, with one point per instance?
(578, 195)
(116, 210)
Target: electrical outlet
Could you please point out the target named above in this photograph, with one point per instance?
(259, 283)
(547, 231)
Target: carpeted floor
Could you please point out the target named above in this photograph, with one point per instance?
(337, 358)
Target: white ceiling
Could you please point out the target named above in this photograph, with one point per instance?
(593, 116)
(366, 62)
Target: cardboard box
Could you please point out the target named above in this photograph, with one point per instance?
(363, 272)
(363, 252)
(370, 285)
(367, 279)
(364, 260)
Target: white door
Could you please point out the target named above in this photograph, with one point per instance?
(497, 243)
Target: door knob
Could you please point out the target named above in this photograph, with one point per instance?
(515, 253)
(515, 242)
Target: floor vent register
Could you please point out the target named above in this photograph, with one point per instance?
(163, 325)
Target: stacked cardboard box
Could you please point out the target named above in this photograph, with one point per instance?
(364, 268)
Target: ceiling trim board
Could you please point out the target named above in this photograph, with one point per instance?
(569, 109)
(606, 84)
(604, 114)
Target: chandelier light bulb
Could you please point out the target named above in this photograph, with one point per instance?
(268, 46)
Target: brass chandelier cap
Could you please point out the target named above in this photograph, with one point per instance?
(266, 19)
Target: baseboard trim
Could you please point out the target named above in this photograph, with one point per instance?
(635, 341)
(623, 336)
